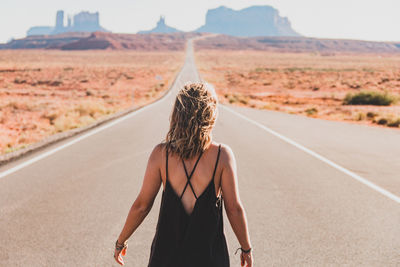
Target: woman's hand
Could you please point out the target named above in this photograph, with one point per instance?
(246, 258)
(118, 253)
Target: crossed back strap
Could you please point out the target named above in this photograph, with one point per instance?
(190, 176)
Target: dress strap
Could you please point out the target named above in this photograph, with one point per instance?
(216, 163)
(166, 163)
(190, 176)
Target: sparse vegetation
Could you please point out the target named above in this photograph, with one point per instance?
(298, 82)
(43, 92)
(389, 120)
(369, 98)
(303, 69)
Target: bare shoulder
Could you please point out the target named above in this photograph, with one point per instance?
(157, 152)
(159, 147)
(226, 157)
(226, 151)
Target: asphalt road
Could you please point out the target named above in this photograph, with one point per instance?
(316, 192)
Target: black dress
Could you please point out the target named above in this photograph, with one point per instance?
(190, 240)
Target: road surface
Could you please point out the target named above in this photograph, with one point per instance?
(316, 192)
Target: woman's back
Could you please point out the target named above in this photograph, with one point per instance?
(190, 225)
(202, 174)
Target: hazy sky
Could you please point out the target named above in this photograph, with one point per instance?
(354, 19)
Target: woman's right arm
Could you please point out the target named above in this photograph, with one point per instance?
(230, 191)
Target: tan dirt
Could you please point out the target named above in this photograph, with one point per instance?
(43, 92)
(309, 84)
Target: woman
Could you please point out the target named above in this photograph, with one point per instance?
(190, 225)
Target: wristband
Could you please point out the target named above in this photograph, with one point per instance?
(243, 250)
(120, 246)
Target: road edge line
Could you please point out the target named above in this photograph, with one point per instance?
(320, 157)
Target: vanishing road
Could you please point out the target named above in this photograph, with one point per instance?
(316, 192)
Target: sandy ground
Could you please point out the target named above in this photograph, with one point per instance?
(303, 83)
(43, 92)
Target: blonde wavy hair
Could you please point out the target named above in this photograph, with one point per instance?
(192, 119)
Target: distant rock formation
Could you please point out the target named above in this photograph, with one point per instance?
(142, 42)
(296, 45)
(104, 41)
(161, 28)
(176, 41)
(82, 22)
(40, 30)
(248, 22)
(44, 41)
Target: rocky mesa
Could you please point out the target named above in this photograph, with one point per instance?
(247, 22)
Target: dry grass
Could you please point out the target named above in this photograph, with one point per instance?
(303, 83)
(44, 92)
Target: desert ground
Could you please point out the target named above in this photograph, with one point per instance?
(43, 92)
(310, 84)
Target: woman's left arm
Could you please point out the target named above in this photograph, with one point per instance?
(144, 201)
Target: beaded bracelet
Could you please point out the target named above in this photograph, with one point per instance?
(243, 250)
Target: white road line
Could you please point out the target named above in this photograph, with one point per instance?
(318, 156)
(90, 133)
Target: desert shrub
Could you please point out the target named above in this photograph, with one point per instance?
(234, 98)
(11, 148)
(394, 123)
(293, 69)
(371, 115)
(243, 101)
(384, 80)
(47, 82)
(65, 122)
(19, 81)
(382, 121)
(12, 105)
(368, 70)
(86, 120)
(269, 106)
(266, 69)
(388, 121)
(51, 116)
(311, 111)
(360, 116)
(369, 98)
